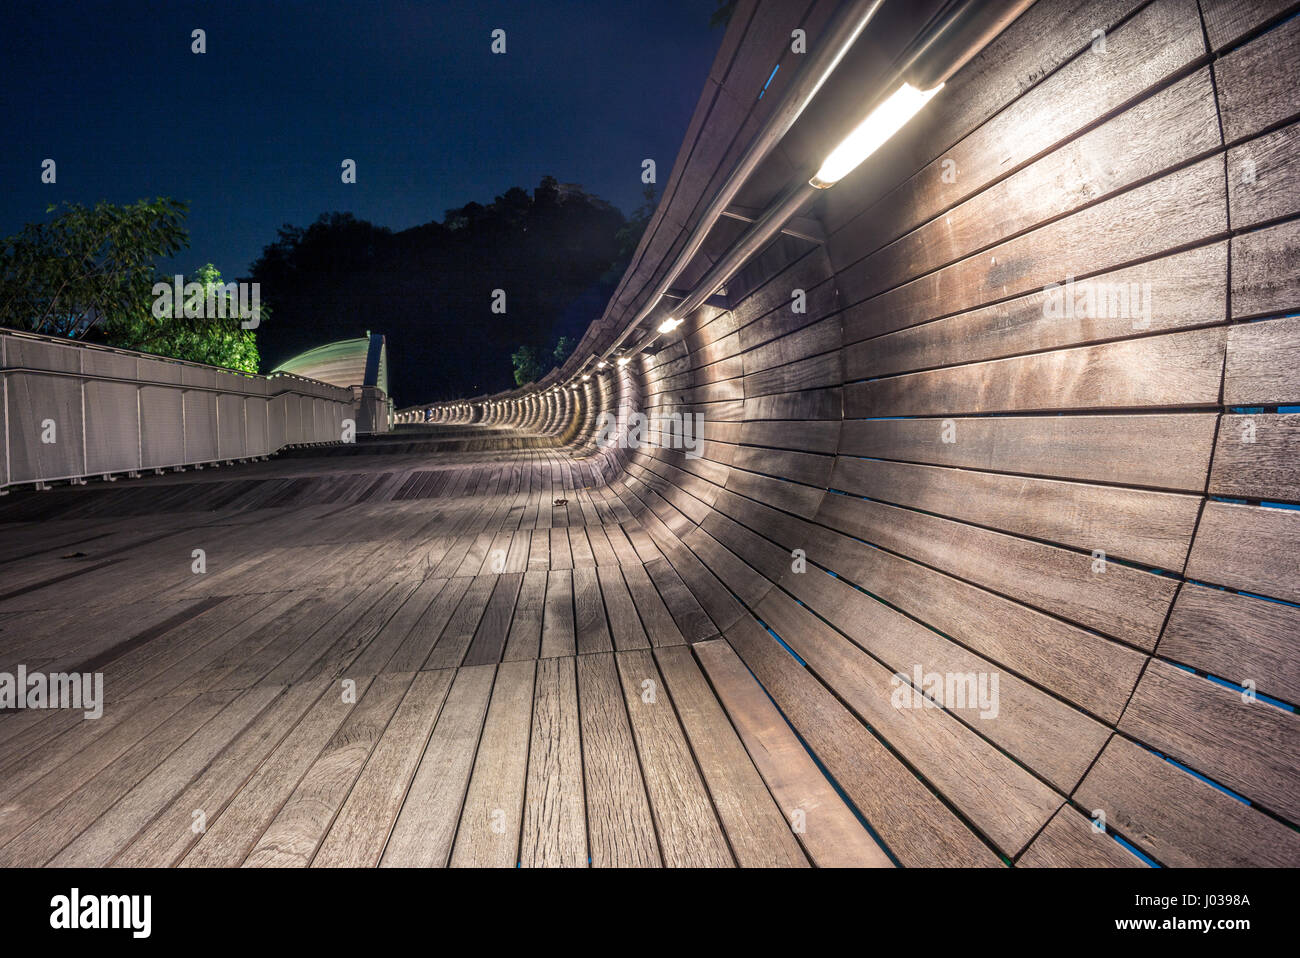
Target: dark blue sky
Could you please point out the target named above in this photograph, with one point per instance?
(253, 132)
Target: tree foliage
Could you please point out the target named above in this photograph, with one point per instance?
(89, 273)
(223, 343)
(431, 288)
(532, 364)
(87, 268)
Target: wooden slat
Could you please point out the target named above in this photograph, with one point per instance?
(1070, 841)
(912, 822)
(296, 832)
(686, 823)
(554, 830)
(827, 828)
(1252, 747)
(1236, 637)
(619, 823)
(757, 832)
(359, 832)
(426, 826)
(1179, 819)
(490, 823)
(1251, 548)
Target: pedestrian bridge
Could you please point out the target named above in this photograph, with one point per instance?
(974, 541)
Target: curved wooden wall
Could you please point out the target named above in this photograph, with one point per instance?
(1099, 509)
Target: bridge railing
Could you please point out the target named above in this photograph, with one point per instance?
(73, 410)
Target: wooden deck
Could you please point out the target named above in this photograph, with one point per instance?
(533, 681)
(569, 653)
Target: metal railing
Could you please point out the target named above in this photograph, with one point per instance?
(72, 410)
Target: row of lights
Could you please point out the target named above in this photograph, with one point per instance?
(863, 140)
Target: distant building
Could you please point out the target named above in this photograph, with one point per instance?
(358, 364)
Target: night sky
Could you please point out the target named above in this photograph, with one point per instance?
(252, 133)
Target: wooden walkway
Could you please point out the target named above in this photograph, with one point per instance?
(558, 653)
(390, 659)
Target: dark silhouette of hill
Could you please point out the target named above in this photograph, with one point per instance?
(556, 253)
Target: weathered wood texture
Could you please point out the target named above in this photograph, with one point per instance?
(985, 534)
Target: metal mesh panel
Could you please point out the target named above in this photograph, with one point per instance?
(112, 427)
(255, 421)
(200, 426)
(275, 422)
(37, 405)
(162, 441)
(230, 425)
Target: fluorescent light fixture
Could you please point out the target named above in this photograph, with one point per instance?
(624, 360)
(669, 324)
(585, 377)
(872, 133)
(602, 364)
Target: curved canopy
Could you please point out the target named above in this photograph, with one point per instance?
(347, 362)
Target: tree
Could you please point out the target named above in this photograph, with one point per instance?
(219, 343)
(431, 288)
(89, 267)
(528, 368)
(629, 234)
(563, 346)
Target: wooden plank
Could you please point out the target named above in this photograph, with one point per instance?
(1007, 803)
(1253, 93)
(910, 820)
(685, 821)
(1251, 548)
(1070, 841)
(619, 823)
(1255, 457)
(558, 630)
(230, 838)
(1110, 376)
(100, 843)
(491, 821)
(1154, 528)
(450, 649)
(658, 621)
(1252, 747)
(419, 642)
(1264, 178)
(78, 759)
(825, 826)
(1107, 235)
(1227, 21)
(1182, 290)
(1120, 601)
(493, 629)
(524, 640)
(554, 831)
(1264, 274)
(624, 621)
(1178, 819)
(1262, 363)
(426, 826)
(590, 628)
(62, 822)
(1236, 637)
(292, 838)
(358, 834)
(169, 836)
(757, 832)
